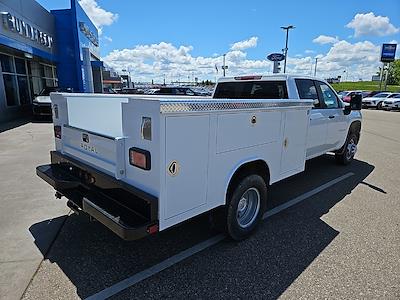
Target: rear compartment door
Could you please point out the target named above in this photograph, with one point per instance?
(187, 162)
(102, 152)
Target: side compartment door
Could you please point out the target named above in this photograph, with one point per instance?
(318, 128)
(187, 149)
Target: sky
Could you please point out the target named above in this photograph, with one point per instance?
(180, 40)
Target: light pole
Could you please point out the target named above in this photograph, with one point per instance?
(287, 28)
(315, 69)
(224, 67)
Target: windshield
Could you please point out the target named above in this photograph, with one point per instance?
(381, 95)
(47, 90)
(393, 96)
(397, 96)
(343, 93)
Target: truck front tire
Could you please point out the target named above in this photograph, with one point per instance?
(349, 150)
(246, 206)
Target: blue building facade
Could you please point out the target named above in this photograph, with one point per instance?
(39, 48)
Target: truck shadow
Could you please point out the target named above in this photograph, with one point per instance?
(93, 258)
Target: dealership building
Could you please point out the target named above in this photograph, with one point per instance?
(40, 48)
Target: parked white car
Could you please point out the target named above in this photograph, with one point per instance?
(41, 104)
(375, 101)
(140, 164)
(392, 102)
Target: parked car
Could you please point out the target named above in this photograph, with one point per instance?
(130, 91)
(392, 102)
(108, 90)
(346, 95)
(375, 101)
(184, 91)
(41, 104)
(371, 93)
(151, 165)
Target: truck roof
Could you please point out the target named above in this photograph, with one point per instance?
(266, 77)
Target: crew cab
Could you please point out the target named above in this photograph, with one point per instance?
(140, 164)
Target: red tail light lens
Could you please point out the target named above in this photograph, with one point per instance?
(152, 229)
(57, 131)
(140, 158)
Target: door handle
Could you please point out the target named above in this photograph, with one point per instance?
(331, 117)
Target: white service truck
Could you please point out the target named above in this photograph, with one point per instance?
(141, 164)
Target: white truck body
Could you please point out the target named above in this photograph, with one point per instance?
(195, 146)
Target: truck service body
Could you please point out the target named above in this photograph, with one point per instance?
(140, 164)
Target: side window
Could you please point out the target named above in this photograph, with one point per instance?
(307, 90)
(328, 96)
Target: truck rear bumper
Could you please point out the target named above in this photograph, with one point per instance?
(127, 211)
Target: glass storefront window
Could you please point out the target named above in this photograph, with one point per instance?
(36, 84)
(41, 70)
(23, 89)
(20, 66)
(25, 79)
(6, 63)
(10, 86)
(49, 82)
(48, 72)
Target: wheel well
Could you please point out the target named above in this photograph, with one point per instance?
(259, 167)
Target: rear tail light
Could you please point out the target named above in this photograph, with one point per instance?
(57, 131)
(152, 229)
(140, 158)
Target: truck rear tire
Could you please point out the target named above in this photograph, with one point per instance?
(349, 150)
(246, 206)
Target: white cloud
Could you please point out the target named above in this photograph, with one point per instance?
(309, 51)
(325, 39)
(99, 16)
(369, 24)
(360, 60)
(153, 61)
(250, 43)
(108, 39)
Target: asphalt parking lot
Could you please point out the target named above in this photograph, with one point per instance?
(341, 239)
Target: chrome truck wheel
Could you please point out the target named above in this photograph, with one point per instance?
(248, 207)
(245, 207)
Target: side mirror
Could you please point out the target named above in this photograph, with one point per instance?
(347, 109)
(356, 102)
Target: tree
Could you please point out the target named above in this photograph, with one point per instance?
(394, 73)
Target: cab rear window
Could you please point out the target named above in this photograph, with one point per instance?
(273, 89)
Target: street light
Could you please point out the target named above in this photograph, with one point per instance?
(315, 70)
(287, 28)
(224, 67)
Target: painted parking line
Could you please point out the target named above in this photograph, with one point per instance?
(138, 277)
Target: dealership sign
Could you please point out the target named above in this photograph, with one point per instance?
(276, 57)
(89, 34)
(17, 25)
(388, 52)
